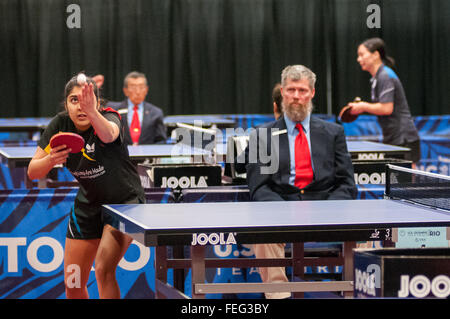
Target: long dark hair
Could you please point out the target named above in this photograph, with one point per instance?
(377, 44)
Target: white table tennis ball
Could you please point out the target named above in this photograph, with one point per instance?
(81, 79)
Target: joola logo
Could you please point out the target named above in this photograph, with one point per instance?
(366, 281)
(370, 156)
(90, 148)
(213, 239)
(374, 178)
(184, 181)
(420, 286)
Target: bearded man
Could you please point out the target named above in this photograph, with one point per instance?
(310, 155)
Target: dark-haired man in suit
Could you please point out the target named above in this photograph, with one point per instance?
(143, 122)
(307, 159)
(276, 101)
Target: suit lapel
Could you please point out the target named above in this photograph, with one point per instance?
(283, 152)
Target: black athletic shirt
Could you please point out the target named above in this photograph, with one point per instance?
(104, 171)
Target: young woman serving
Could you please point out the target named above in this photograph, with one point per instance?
(105, 175)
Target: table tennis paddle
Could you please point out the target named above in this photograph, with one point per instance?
(71, 140)
(345, 115)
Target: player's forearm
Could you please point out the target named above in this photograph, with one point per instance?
(105, 130)
(378, 108)
(39, 168)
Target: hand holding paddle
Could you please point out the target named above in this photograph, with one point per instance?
(348, 114)
(72, 141)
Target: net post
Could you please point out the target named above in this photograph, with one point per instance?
(387, 189)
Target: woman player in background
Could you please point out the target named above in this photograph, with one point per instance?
(105, 175)
(388, 98)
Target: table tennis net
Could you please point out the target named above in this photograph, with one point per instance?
(429, 189)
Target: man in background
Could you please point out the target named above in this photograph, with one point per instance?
(143, 122)
(277, 101)
(309, 160)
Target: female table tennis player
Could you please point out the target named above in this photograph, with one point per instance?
(105, 175)
(388, 98)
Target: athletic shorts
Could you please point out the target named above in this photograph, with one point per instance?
(87, 222)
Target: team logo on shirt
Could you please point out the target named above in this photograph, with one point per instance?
(90, 173)
(90, 148)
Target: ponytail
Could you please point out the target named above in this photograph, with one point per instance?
(389, 61)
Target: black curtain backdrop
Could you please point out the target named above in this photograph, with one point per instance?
(218, 56)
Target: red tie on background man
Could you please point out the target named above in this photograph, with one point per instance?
(135, 128)
(303, 167)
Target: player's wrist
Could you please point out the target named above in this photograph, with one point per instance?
(93, 114)
(51, 162)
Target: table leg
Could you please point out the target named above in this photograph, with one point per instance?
(298, 267)
(198, 269)
(178, 274)
(160, 268)
(28, 181)
(348, 265)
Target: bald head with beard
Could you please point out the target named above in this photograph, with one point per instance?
(297, 90)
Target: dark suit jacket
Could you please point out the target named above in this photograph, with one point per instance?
(333, 169)
(153, 130)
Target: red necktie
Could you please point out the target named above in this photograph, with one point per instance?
(135, 128)
(303, 167)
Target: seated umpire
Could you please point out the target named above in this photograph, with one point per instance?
(143, 122)
(307, 159)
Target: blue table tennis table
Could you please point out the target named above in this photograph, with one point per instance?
(208, 120)
(21, 156)
(368, 150)
(359, 150)
(28, 124)
(40, 123)
(32, 125)
(201, 224)
(14, 156)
